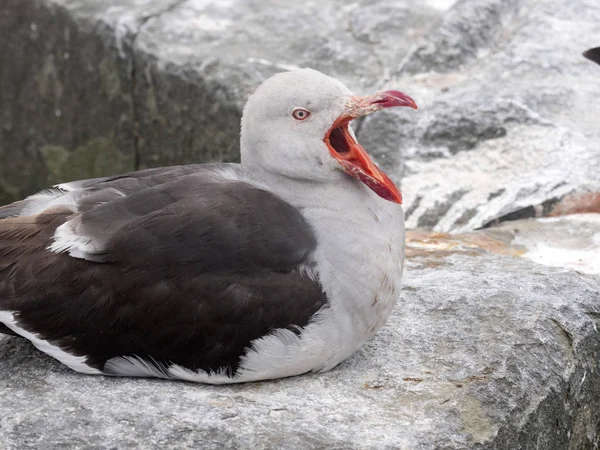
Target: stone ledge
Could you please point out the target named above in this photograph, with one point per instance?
(485, 350)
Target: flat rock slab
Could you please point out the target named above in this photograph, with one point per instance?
(485, 350)
(571, 241)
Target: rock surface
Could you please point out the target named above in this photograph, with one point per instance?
(571, 241)
(484, 350)
(65, 98)
(507, 127)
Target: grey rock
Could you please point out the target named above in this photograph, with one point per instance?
(571, 241)
(467, 32)
(485, 350)
(508, 127)
(64, 89)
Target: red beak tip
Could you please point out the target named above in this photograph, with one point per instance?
(397, 98)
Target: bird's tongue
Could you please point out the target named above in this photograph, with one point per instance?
(357, 163)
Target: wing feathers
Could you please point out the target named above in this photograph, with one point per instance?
(195, 267)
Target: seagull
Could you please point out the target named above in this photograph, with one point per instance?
(282, 265)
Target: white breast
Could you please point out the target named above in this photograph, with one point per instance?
(360, 262)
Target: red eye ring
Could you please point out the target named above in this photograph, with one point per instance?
(300, 114)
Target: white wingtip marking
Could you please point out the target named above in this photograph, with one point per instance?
(133, 366)
(229, 174)
(219, 377)
(309, 271)
(48, 198)
(66, 240)
(68, 187)
(77, 363)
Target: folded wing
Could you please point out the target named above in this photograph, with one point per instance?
(185, 268)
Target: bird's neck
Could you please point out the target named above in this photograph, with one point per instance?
(333, 190)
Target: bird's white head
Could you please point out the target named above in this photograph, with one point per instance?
(296, 125)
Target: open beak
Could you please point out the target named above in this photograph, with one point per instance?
(350, 154)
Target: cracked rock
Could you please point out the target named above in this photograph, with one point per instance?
(502, 134)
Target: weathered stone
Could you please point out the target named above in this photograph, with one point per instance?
(506, 115)
(468, 31)
(197, 63)
(571, 241)
(98, 156)
(484, 350)
(62, 84)
(166, 81)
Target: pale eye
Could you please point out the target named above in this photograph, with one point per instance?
(300, 114)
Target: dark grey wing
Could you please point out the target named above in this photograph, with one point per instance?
(593, 54)
(194, 270)
(141, 179)
(87, 194)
